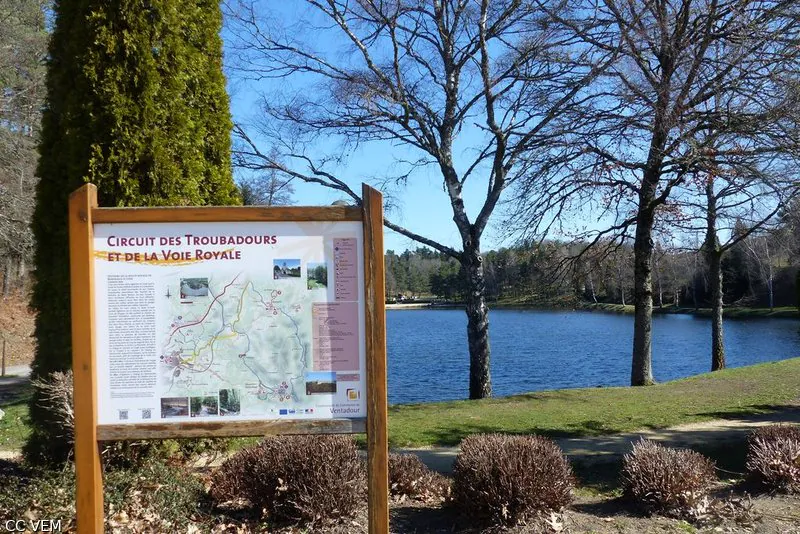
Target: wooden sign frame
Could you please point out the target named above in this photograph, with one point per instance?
(84, 212)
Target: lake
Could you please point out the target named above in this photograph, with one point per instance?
(533, 350)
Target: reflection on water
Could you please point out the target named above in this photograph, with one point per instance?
(536, 349)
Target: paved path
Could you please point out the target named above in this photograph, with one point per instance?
(13, 371)
(601, 449)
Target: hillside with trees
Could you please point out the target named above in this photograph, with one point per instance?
(760, 271)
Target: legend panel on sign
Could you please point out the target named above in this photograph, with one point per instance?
(345, 265)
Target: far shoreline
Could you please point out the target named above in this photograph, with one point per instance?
(732, 312)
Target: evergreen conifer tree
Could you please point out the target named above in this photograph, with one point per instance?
(136, 104)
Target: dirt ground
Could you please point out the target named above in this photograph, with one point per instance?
(16, 329)
(761, 514)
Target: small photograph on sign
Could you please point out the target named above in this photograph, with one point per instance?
(193, 287)
(204, 406)
(317, 275)
(286, 268)
(229, 402)
(320, 383)
(174, 406)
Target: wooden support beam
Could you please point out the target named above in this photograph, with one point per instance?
(228, 214)
(377, 411)
(88, 469)
(220, 428)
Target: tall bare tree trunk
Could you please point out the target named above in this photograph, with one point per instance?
(641, 365)
(770, 276)
(717, 340)
(694, 284)
(591, 288)
(643, 246)
(770, 286)
(658, 282)
(714, 260)
(480, 383)
(8, 276)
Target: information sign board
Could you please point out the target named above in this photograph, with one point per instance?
(226, 321)
(229, 321)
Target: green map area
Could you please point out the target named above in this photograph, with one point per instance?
(238, 333)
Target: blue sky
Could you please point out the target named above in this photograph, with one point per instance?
(422, 205)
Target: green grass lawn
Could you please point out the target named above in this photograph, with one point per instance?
(597, 411)
(14, 427)
(569, 412)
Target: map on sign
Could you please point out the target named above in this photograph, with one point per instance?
(229, 321)
(246, 333)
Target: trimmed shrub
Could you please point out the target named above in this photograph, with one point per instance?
(509, 479)
(409, 477)
(664, 479)
(773, 457)
(294, 478)
(54, 394)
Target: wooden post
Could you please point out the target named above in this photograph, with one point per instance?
(377, 414)
(89, 483)
(3, 371)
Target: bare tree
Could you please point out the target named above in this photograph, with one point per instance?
(761, 255)
(463, 87)
(268, 189)
(23, 44)
(731, 207)
(686, 68)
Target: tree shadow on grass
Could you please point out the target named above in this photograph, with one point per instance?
(601, 476)
(451, 437)
(759, 413)
(619, 506)
(14, 391)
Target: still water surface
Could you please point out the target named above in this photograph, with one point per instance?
(534, 350)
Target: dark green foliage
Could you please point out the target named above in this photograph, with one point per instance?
(136, 104)
(510, 479)
(773, 457)
(667, 480)
(295, 478)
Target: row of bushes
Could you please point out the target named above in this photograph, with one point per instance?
(497, 479)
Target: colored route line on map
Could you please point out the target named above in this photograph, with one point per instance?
(264, 389)
(208, 310)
